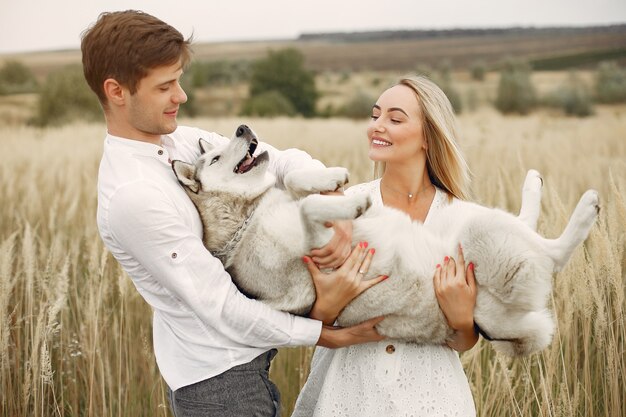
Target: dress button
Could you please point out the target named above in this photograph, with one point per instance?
(174, 255)
(390, 349)
(160, 152)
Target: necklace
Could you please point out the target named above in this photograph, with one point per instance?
(410, 195)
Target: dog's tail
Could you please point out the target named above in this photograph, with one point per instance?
(532, 334)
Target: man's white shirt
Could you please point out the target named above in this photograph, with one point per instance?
(202, 325)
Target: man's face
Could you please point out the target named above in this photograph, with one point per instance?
(152, 110)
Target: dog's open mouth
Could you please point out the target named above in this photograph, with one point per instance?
(248, 161)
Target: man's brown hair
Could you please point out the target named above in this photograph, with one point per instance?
(126, 45)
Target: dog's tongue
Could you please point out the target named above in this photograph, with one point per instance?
(245, 165)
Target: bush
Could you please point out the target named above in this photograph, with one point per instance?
(16, 78)
(573, 97)
(444, 81)
(203, 74)
(472, 99)
(283, 71)
(190, 107)
(610, 83)
(453, 95)
(268, 104)
(358, 107)
(478, 70)
(516, 93)
(444, 68)
(65, 97)
(344, 78)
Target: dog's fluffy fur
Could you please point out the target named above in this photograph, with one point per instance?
(261, 233)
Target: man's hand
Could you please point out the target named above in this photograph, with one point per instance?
(336, 337)
(337, 250)
(334, 290)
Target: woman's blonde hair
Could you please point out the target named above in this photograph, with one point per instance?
(446, 165)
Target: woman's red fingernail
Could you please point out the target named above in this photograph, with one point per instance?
(438, 266)
(372, 251)
(471, 266)
(305, 259)
(365, 244)
(446, 259)
(385, 277)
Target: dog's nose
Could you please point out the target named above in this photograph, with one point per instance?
(242, 129)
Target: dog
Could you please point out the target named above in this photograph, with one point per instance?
(261, 232)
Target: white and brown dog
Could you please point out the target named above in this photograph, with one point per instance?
(261, 232)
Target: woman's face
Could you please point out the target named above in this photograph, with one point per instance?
(395, 132)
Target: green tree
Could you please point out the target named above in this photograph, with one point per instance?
(283, 71)
(478, 70)
(516, 93)
(610, 83)
(65, 97)
(16, 78)
(209, 73)
(268, 104)
(444, 80)
(359, 106)
(573, 97)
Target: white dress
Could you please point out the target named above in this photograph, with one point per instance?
(387, 378)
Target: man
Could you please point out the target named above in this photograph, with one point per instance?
(208, 338)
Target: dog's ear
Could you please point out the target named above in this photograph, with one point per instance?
(186, 174)
(205, 146)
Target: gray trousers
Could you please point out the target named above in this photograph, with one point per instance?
(242, 391)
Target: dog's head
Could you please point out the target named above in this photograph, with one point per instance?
(232, 168)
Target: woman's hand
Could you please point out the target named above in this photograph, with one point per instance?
(334, 290)
(455, 288)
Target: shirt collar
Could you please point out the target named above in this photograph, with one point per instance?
(137, 147)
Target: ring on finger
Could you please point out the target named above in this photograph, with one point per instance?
(361, 271)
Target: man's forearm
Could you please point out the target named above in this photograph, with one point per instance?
(336, 337)
(463, 340)
(326, 315)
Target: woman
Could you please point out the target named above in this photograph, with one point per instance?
(412, 141)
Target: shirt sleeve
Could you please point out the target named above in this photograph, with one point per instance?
(156, 236)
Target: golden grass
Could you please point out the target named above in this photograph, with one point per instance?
(75, 337)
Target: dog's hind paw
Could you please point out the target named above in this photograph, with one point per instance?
(531, 199)
(588, 208)
(533, 181)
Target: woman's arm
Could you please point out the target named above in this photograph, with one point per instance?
(455, 288)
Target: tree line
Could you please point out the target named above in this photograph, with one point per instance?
(281, 85)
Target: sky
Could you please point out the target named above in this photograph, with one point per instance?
(38, 25)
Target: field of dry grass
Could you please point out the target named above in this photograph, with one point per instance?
(75, 337)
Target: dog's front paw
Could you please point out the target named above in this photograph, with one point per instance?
(361, 203)
(329, 179)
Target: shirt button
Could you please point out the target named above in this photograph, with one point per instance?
(160, 151)
(390, 349)
(174, 255)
